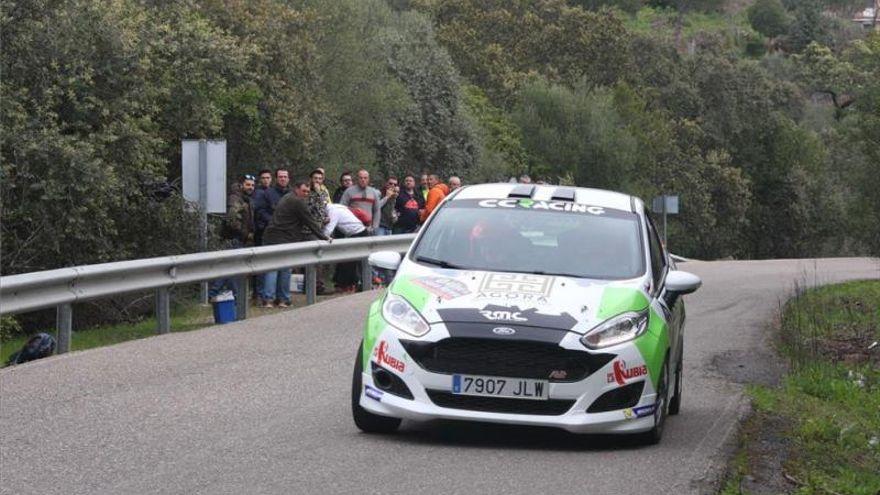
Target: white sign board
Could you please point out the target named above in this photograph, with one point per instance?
(671, 206)
(215, 176)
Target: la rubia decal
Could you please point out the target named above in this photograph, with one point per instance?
(383, 357)
(622, 375)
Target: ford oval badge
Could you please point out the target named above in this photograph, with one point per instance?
(503, 331)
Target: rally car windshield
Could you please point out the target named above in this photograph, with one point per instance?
(526, 236)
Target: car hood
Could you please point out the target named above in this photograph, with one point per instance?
(516, 300)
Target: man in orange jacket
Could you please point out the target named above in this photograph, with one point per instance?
(437, 191)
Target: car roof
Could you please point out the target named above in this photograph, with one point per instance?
(541, 192)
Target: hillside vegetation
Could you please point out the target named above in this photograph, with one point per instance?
(764, 117)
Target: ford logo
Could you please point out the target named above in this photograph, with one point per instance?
(503, 331)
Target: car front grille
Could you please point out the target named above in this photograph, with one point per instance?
(508, 358)
(552, 407)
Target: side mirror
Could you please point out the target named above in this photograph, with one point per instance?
(389, 260)
(681, 283)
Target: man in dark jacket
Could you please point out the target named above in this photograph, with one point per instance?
(388, 214)
(264, 182)
(345, 181)
(264, 205)
(290, 219)
(409, 205)
(265, 201)
(237, 230)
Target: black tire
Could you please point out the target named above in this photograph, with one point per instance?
(655, 434)
(675, 401)
(363, 419)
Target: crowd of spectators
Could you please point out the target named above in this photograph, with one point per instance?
(269, 209)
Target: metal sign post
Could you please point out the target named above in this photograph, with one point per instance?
(203, 211)
(668, 205)
(204, 184)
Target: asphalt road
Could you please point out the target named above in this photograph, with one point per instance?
(262, 406)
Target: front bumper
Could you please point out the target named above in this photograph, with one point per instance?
(580, 394)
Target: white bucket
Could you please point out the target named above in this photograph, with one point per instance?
(297, 282)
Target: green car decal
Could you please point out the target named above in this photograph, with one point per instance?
(375, 327)
(404, 286)
(653, 344)
(617, 300)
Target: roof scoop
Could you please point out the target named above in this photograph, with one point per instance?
(522, 191)
(563, 194)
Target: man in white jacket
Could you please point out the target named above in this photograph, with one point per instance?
(345, 224)
(343, 220)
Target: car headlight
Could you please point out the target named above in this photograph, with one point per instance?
(621, 328)
(399, 313)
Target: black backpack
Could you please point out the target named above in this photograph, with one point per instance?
(37, 347)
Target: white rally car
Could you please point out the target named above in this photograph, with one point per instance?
(528, 304)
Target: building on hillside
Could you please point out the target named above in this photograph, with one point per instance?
(870, 17)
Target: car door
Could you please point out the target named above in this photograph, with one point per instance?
(674, 312)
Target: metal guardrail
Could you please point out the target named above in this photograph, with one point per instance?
(63, 287)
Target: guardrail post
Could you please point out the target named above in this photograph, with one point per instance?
(64, 325)
(241, 302)
(366, 275)
(163, 310)
(310, 283)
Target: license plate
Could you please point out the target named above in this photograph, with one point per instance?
(493, 386)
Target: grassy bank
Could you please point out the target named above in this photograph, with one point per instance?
(819, 431)
(185, 316)
(189, 317)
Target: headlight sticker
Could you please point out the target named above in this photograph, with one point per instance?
(442, 287)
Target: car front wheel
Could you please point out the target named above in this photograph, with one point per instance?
(363, 419)
(655, 434)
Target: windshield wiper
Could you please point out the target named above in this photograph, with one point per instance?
(550, 274)
(436, 262)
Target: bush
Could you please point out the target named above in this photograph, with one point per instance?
(756, 47)
(9, 328)
(768, 17)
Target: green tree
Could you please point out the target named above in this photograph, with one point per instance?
(437, 133)
(574, 131)
(502, 154)
(684, 7)
(84, 97)
(628, 6)
(857, 147)
(806, 26)
(498, 45)
(768, 17)
(715, 195)
(270, 112)
(820, 71)
(363, 104)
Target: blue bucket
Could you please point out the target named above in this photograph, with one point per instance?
(224, 308)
